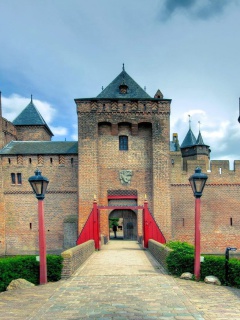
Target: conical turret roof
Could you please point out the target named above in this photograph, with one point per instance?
(199, 141)
(30, 116)
(189, 140)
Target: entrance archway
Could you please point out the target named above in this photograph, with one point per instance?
(127, 228)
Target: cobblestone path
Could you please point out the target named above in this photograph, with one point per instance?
(122, 282)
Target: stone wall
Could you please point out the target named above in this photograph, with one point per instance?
(220, 219)
(73, 258)
(19, 220)
(159, 251)
(146, 124)
(33, 133)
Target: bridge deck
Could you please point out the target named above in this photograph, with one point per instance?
(122, 282)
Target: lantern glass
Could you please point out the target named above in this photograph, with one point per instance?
(39, 184)
(197, 181)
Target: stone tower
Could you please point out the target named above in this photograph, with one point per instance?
(124, 152)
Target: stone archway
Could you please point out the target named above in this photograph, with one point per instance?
(129, 223)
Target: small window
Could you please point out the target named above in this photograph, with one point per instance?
(19, 178)
(13, 178)
(123, 142)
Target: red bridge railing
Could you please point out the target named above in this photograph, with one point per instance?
(150, 228)
(91, 229)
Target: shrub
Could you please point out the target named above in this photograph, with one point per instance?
(234, 273)
(181, 259)
(213, 266)
(26, 267)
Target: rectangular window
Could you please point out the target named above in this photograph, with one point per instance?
(13, 178)
(19, 178)
(123, 142)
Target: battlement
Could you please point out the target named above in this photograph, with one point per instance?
(219, 171)
(8, 132)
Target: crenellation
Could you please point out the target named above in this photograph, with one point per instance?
(123, 146)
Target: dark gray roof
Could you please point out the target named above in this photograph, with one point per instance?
(133, 91)
(189, 140)
(30, 116)
(200, 140)
(40, 147)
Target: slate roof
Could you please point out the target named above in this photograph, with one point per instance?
(199, 141)
(40, 147)
(30, 116)
(134, 90)
(189, 140)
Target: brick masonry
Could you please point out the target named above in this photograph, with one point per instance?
(159, 251)
(75, 179)
(74, 257)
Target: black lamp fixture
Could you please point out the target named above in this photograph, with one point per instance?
(39, 184)
(197, 181)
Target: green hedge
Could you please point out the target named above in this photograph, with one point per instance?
(181, 259)
(26, 267)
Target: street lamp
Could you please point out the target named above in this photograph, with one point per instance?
(197, 181)
(39, 185)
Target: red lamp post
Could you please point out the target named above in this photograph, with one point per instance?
(197, 181)
(39, 185)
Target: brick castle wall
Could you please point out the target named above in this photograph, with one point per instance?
(20, 211)
(146, 123)
(33, 133)
(220, 219)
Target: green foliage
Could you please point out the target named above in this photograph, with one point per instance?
(181, 259)
(54, 267)
(26, 267)
(213, 266)
(183, 247)
(234, 273)
(113, 222)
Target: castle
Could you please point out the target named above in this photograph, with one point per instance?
(123, 154)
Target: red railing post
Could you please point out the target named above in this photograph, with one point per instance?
(96, 223)
(145, 224)
(197, 240)
(42, 243)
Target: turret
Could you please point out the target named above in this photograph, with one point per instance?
(194, 149)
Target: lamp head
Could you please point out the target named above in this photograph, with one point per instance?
(39, 184)
(197, 181)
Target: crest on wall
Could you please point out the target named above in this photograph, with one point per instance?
(125, 176)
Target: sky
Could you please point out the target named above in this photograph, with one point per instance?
(59, 50)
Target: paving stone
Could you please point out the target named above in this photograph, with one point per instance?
(122, 282)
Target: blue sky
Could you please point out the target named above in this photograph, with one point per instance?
(58, 50)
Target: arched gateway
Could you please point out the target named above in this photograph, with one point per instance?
(127, 223)
(92, 228)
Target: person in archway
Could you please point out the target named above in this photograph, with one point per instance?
(115, 231)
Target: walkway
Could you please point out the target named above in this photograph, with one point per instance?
(122, 282)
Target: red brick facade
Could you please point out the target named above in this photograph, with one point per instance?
(95, 171)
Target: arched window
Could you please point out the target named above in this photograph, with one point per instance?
(123, 142)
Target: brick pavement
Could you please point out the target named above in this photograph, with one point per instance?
(122, 282)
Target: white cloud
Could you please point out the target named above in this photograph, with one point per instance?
(13, 105)
(74, 137)
(59, 131)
